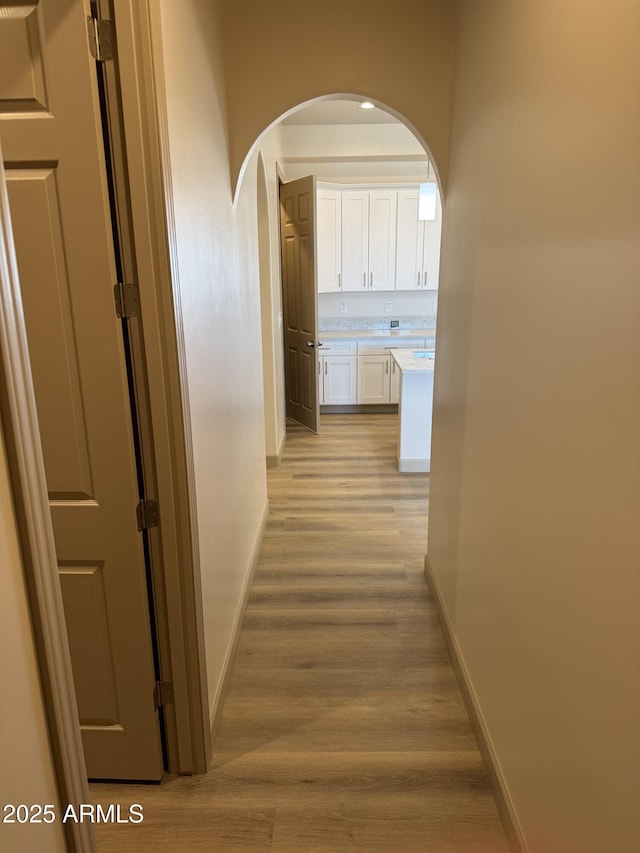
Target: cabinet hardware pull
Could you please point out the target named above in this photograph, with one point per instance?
(418, 279)
(364, 279)
(325, 368)
(424, 280)
(371, 281)
(339, 282)
(386, 366)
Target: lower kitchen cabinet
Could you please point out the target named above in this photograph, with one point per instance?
(394, 390)
(337, 380)
(370, 377)
(374, 378)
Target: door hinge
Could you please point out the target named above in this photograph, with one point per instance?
(126, 299)
(102, 38)
(147, 512)
(163, 694)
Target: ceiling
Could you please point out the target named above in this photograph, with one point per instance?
(339, 112)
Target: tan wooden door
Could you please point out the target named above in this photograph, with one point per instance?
(51, 137)
(297, 235)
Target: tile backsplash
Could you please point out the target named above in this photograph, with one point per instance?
(376, 309)
(342, 323)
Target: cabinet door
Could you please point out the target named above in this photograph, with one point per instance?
(339, 380)
(329, 231)
(355, 240)
(383, 206)
(373, 378)
(321, 361)
(431, 249)
(394, 391)
(410, 242)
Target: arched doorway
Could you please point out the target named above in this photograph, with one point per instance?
(346, 146)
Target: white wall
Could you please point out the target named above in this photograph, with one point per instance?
(216, 258)
(535, 486)
(25, 758)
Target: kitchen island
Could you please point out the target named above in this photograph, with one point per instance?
(415, 408)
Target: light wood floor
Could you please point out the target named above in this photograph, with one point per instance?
(343, 729)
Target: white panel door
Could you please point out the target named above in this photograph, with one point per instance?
(373, 378)
(339, 380)
(329, 240)
(382, 239)
(355, 240)
(410, 242)
(52, 141)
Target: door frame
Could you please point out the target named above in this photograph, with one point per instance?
(145, 133)
(138, 36)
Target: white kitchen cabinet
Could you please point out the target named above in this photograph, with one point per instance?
(382, 239)
(378, 374)
(373, 378)
(355, 240)
(368, 239)
(418, 244)
(394, 388)
(321, 381)
(329, 233)
(337, 378)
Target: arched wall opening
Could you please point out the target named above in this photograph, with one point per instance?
(268, 154)
(338, 96)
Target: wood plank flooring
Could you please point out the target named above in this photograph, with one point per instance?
(343, 728)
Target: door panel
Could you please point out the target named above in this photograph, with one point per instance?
(297, 206)
(340, 380)
(355, 240)
(382, 239)
(35, 207)
(410, 240)
(52, 141)
(373, 378)
(329, 246)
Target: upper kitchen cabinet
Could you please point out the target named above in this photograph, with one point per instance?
(329, 231)
(418, 247)
(369, 239)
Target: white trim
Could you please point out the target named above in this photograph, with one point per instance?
(274, 459)
(24, 449)
(225, 678)
(506, 809)
(414, 466)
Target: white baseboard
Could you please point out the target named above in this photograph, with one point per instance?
(501, 793)
(223, 684)
(414, 466)
(274, 459)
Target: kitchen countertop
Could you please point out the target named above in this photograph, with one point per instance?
(367, 334)
(409, 362)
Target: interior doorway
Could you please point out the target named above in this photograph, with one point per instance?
(344, 146)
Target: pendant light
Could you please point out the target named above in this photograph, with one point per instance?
(427, 198)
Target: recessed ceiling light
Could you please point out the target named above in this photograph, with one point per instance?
(367, 105)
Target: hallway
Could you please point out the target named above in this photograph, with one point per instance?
(343, 727)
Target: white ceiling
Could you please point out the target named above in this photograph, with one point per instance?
(339, 112)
